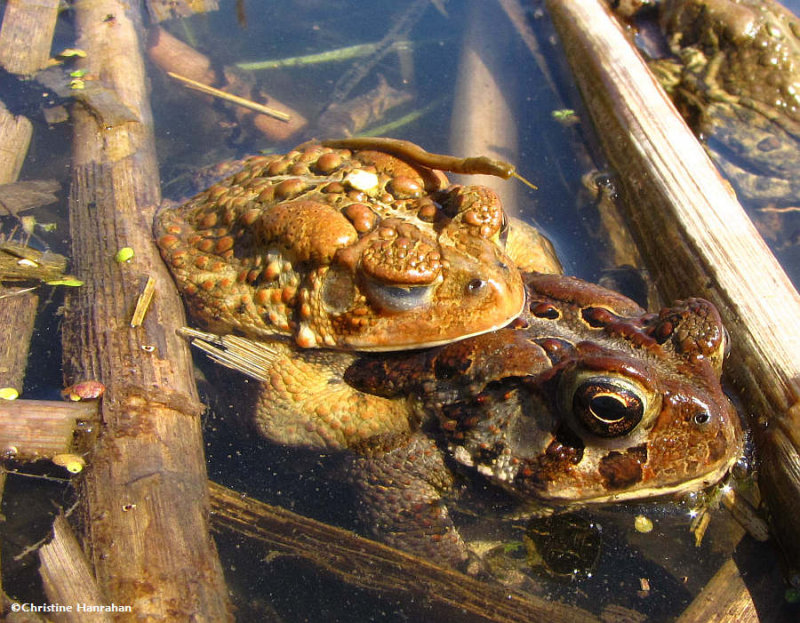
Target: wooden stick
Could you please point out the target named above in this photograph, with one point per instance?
(17, 197)
(367, 564)
(145, 501)
(724, 599)
(21, 263)
(25, 39)
(698, 240)
(17, 315)
(34, 429)
(27, 34)
(68, 579)
(15, 137)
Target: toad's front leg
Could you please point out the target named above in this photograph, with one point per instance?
(400, 480)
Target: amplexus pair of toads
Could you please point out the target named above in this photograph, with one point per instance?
(558, 391)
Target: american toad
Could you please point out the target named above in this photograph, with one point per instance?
(584, 399)
(340, 248)
(738, 84)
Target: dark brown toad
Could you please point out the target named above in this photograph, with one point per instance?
(585, 399)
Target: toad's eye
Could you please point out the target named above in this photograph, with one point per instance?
(607, 408)
(476, 286)
(399, 299)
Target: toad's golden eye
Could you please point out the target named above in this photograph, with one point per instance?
(607, 408)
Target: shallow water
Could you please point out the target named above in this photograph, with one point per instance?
(192, 134)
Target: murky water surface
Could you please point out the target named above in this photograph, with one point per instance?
(651, 576)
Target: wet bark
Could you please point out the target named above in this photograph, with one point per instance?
(35, 429)
(26, 35)
(145, 502)
(67, 576)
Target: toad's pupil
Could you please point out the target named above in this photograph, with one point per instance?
(475, 286)
(702, 418)
(609, 408)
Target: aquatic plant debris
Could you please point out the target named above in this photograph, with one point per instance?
(8, 393)
(143, 302)
(403, 121)
(329, 56)
(71, 462)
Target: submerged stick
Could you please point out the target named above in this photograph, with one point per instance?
(27, 34)
(37, 429)
(329, 56)
(228, 97)
(482, 119)
(376, 567)
(68, 579)
(399, 31)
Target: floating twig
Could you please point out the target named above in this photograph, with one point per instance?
(234, 99)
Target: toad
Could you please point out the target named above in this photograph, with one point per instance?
(354, 245)
(584, 399)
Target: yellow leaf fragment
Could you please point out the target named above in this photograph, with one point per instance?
(8, 393)
(125, 254)
(73, 463)
(72, 53)
(67, 281)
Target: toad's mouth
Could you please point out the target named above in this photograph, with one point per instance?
(572, 497)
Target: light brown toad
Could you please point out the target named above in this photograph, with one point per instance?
(339, 248)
